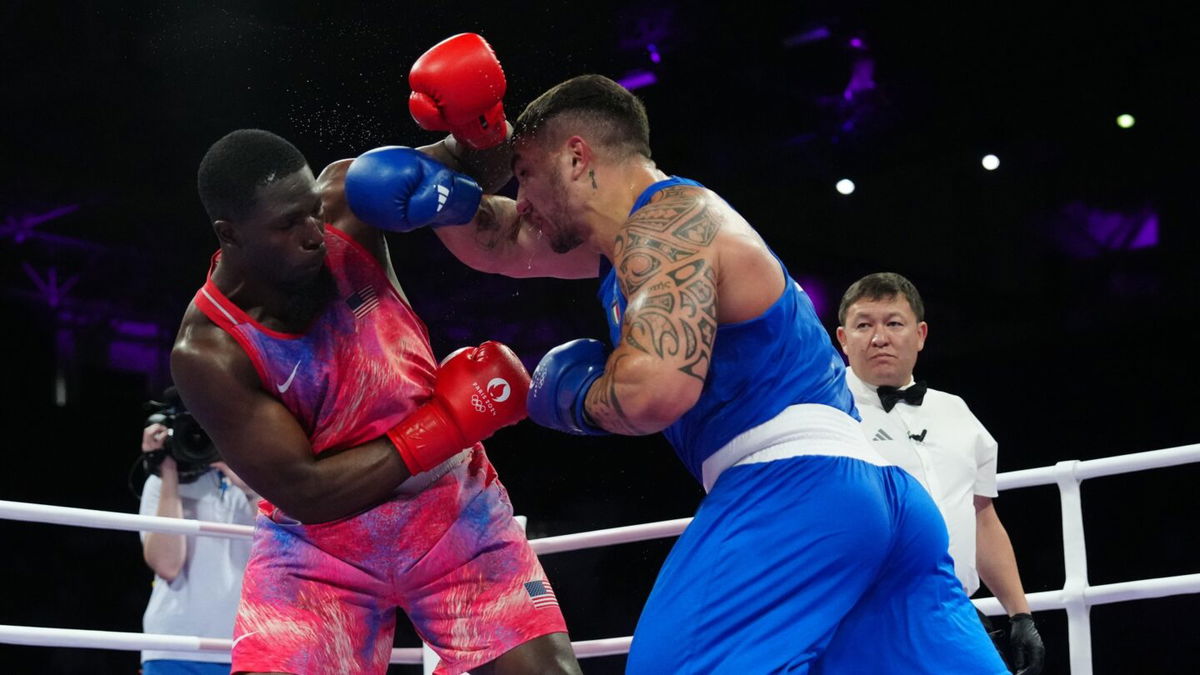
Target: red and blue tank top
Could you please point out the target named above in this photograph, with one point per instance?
(361, 367)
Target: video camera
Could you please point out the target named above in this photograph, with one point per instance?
(186, 441)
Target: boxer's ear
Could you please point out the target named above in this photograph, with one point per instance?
(226, 233)
(581, 154)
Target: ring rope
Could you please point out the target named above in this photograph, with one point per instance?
(1065, 474)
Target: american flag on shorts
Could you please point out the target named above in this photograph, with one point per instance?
(541, 594)
(362, 301)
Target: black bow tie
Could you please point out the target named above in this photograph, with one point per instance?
(890, 396)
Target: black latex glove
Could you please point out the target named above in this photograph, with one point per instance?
(1025, 645)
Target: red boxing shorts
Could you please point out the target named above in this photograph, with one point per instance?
(321, 598)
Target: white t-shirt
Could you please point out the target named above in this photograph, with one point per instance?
(203, 599)
(955, 459)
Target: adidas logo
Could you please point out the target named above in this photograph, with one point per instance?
(881, 435)
(443, 195)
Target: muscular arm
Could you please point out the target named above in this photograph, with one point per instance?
(995, 558)
(492, 168)
(261, 440)
(498, 241)
(495, 241)
(666, 265)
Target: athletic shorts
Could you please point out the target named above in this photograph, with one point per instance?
(812, 564)
(322, 598)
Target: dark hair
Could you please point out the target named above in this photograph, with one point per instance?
(880, 286)
(605, 107)
(237, 165)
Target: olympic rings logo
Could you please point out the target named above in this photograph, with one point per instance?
(478, 404)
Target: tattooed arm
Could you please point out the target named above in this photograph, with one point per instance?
(498, 241)
(666, 265)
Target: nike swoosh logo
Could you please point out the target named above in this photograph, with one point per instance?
(243, 637)
(286, 385)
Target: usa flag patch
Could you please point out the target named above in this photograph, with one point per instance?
(541, 594)
(363, 301)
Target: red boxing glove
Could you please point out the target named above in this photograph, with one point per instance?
(458, 86)
(478, 391)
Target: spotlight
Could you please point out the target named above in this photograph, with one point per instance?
(991, 162)
(1125, 121)
(637, 80)
(845, 186)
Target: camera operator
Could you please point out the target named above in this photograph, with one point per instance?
(197, 580)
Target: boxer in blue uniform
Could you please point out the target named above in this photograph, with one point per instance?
(810, 554)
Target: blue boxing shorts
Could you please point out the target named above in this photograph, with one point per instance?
(812, 564)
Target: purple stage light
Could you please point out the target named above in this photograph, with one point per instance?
(21, 227)
(1147, 235)
(134, 329)
(1086, 232)
(856, 43)
(138, 357)
(637, 80)
(862, 78)
(804, 37)
(53, 291)
(654, 55)
(1116, 231)
(817, 293)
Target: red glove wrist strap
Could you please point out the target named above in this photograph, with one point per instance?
(426, 438)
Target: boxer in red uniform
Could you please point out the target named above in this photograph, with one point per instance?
(303, 360)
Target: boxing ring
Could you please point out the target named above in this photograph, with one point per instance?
(1076, 596)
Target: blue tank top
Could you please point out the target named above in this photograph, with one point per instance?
(759, 367)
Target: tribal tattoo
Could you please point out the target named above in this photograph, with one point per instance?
(663, 257)
(604, 406)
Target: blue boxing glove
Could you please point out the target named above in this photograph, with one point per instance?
(400, 189)
(560, 384)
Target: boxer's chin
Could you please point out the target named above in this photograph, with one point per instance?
(306, 276)
(564, 242)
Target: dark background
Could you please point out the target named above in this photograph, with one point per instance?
(1070, 330)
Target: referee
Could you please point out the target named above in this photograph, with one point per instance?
(933, 436)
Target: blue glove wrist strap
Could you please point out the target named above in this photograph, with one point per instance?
(584, 424)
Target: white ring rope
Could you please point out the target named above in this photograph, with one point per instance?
(112, 520)
(35, 636)
(63, 515)
(1075, 597)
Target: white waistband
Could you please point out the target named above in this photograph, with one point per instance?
(802, 429)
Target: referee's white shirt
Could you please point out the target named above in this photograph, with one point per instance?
(955, 459)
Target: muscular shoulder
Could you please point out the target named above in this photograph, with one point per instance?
(670, 235)
(331, 185)
(333, 177)
(204, 355)
(696, 235)
(684, 214)
(335, 210)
